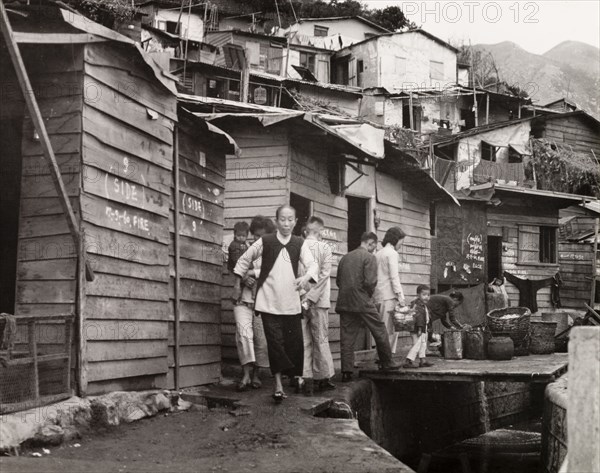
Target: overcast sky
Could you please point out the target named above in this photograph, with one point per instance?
(535, 26)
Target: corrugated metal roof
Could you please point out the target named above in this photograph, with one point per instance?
(480, 129)
(541, 193)
(229, 104)
(365, 138)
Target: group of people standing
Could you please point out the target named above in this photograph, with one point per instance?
(282, 294)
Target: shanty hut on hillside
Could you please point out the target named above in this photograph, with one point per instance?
(579, 256)
(147, 314)
(507, 225)
(337, 168)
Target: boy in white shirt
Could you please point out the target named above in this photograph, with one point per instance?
(318, 361)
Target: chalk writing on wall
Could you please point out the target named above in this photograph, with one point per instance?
(572, 256)
(475, 250)
(122, 190)
(329, 234)
(193, 205)
(127, 219)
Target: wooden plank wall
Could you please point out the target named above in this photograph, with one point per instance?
(309, 180)
(415, 255)
(257, 183)
(260, 180)
(201, 198)
(574, 131)
(47, 257)
(128, 122)
(576, 268)
(509, 216)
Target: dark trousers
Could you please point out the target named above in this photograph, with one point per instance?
(351, 323)
(285, 344)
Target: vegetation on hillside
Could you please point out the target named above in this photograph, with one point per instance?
(560, 168)
(112, 12)
(485, 72)
(391, 18)
(106, 12)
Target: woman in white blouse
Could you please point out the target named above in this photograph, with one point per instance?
(388, 292)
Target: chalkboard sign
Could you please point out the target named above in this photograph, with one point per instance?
(461, 245)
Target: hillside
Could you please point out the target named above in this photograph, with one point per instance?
(579, 55)
(570, 69)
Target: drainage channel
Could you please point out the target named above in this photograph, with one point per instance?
(436, 426)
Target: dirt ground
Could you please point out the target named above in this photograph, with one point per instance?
(256, 437)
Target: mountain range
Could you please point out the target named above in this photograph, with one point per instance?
(570, 70)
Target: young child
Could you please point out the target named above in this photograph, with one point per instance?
(419, 336)
(239, 245)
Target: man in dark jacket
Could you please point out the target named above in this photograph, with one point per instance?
(441, 306)
(356, 280)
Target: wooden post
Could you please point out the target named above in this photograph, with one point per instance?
(487, 109)
(81, 361)
(475, 111)
(177, 288)
(68, 341)
(245, 86)
(595, 264)
(519, 108)
(187, 40)
(204, 21)
(33, 352)
(410, 111)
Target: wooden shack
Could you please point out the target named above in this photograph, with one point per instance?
(498, 229)
(507, 221)
(576, 255)
(148, 318)
(326, 166)
(577, 129)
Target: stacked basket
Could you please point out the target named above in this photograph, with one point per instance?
(517, 328)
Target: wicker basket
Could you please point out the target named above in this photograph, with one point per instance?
(518, 328)
(542, 338)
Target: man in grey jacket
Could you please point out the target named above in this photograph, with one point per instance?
(356, 280)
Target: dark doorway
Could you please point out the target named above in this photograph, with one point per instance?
(468, 116)
(10, 192)
(416, 117)
(303, 210)
(357, 220)
(494, 257)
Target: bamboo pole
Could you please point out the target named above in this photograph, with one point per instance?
(187, 40)
(177, 288)
(410, 111)
(475, 111)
